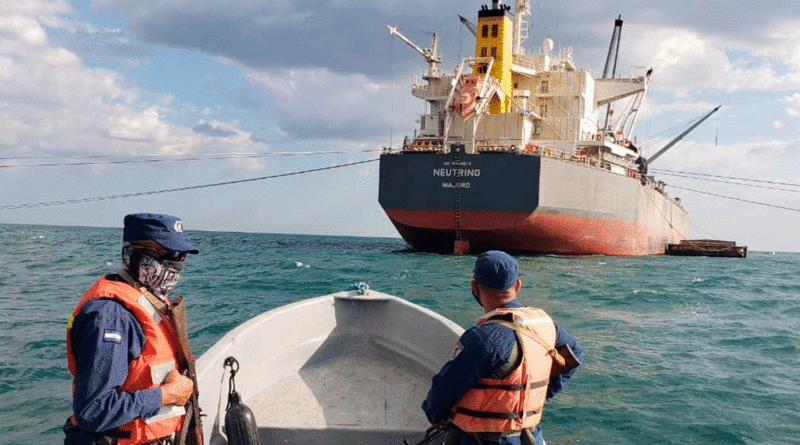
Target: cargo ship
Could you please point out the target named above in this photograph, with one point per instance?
(520, 150)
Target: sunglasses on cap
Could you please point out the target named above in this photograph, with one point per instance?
(159, 252)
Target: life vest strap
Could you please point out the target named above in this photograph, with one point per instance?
(531, 385)
(494, 415)
(557, 358)
(160, 305)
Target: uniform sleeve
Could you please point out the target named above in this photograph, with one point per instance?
(471, 360)
(106, 338)
(559, 382)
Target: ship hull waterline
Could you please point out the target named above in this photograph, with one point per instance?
(524, 204)
(536, 234)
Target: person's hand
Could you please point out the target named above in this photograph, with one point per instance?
(438, 426)
(177, 389)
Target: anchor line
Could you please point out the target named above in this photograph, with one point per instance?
(457, 203)
(178, 189)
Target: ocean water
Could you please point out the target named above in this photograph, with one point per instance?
(678, 350)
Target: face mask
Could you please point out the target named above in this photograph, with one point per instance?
(158, 276)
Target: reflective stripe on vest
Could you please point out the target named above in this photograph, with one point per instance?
(157, 358)
(514, 402)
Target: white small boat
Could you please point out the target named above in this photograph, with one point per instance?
(344, 368)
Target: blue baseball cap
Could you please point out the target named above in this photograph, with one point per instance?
(166, 230)
(496, 269)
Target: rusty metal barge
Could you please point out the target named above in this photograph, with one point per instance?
(707, 247)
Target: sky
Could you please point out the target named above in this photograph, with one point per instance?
(121, 98)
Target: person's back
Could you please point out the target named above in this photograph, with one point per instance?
(494, 387)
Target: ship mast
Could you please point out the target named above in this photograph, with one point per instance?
(522, 8)
(613, 49)
(613, 54)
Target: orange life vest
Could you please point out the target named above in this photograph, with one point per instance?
(515, 402)
(158, 357)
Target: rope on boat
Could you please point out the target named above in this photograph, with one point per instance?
(362, 288)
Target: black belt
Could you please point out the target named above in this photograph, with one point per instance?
(494, 437)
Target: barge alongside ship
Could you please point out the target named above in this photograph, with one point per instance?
(526, 153)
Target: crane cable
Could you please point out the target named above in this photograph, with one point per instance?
(736, 199)
(700, 176)
(154, 158)
(743, 184)
(178, 189)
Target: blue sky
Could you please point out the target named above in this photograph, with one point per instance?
(142, 79)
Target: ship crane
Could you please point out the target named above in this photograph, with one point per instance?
(470, 26)
(680, 136)
(431, 54)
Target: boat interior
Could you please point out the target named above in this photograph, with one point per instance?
(344, 368)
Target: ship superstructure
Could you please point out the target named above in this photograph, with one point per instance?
(525, 152)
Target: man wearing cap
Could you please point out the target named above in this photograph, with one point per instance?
(122, 349)
(503, 369)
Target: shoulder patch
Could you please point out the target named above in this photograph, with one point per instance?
(457, 350)
(113, 336)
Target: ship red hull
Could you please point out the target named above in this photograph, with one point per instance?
(535, 233)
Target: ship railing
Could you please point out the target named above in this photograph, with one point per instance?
(496, 148)
(526, 62)
(552, 151)
(516, 146)
(421, 145)
(549, 151)
(619, 161)
(416, 85)
(581, 156)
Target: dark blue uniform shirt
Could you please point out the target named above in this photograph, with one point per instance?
(106, 337)
(485, 349)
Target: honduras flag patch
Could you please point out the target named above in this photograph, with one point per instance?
(113, 336)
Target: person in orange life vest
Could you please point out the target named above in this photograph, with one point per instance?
(121, 347)
(496, 365)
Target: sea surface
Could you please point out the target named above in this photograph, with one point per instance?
(679, 350)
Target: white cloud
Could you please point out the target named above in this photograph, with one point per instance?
(793, 108)
(784, 42)
(49, 12)
(765, 159)
(320, 104)
(792, 100)
(53, 102)
(145, 126)
(687, 60)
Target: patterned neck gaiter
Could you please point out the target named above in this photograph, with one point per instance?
(158, 276)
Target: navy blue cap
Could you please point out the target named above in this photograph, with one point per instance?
(166, 230)
(496, 269)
